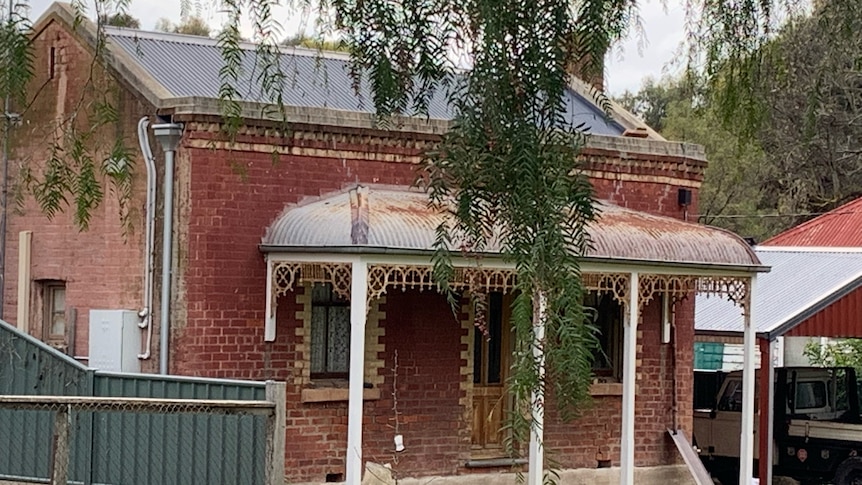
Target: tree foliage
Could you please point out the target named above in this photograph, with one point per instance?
(120, 19)
(731, 196)
(191, 25)
(804, 157)
(311, 42)
(812, 93)
(841, 353)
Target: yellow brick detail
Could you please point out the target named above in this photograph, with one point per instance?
(303, 348)
(373, 346)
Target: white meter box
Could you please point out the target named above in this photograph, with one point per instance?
(115, 340)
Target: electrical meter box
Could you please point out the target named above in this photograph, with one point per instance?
(115, 340)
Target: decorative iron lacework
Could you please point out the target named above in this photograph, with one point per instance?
(481, 280)
(286, 274)
(680, 286)
(615, 284)
(382, 277)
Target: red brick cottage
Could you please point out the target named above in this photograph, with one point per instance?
(305, 258)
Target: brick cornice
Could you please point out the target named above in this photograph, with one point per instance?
(681, 164)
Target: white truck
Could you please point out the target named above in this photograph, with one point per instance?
(817, 427)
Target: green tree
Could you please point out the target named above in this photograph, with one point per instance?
(731, 194)
(121, 19)
(843, 353)
(804, 157)
(319, 43)
(191, 25)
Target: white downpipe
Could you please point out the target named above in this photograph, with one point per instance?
(746, 438)
(146, 312)
(536, 471)
(358, 316)
(630, 336)
(168, 135)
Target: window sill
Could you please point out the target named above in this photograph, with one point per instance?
(334, 394)
(496, 462)
(606, 389)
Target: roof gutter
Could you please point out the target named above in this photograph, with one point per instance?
(265, 248)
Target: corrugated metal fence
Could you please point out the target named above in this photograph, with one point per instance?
(122, 447)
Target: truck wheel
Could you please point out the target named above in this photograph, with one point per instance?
(849, 472)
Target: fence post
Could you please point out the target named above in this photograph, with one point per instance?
(60, 462)
(87, 427)
(275, 429)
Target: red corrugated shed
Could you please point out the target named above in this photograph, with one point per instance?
(840, 227)
(840, 319)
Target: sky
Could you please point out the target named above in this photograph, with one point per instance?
(627, 65)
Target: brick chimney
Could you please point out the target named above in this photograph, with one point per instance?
(589, 71)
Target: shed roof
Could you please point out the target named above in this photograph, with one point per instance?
(377, 220)
(840, 227)
(802, 282)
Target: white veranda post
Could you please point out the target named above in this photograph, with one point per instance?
(537, 454)
(627, 437)
(746, 444)
(358, 315)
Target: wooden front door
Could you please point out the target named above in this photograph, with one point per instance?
(491, 400)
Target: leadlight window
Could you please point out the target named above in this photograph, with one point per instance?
(330, 333)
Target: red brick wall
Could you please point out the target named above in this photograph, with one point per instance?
(423, 330)
(595, 435)
(652, 197)
(223, 270)
(421, 327)
(102, 266)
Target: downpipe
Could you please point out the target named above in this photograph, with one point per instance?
(168, 135)
(146, 313)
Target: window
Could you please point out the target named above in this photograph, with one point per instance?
(330, 334)
(607, 316)
(731, 398)
(488, 349)
(810, 395)
(54, 312)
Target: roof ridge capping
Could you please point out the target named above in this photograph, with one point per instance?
(209, 41)
(810, 249)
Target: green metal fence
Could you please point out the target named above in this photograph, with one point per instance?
(125, 447)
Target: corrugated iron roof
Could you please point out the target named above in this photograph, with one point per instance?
(801, 282)
(398, 220)
(840, 227)
(188, 66)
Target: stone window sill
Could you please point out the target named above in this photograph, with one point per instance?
(606, 389)
(335, 394)
(496, 462)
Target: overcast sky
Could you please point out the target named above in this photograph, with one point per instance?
(627, 65)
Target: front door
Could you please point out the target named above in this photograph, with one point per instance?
(491, 400)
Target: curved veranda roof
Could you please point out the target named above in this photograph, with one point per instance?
(400, 221)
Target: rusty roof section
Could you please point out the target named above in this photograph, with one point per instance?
(392, 220)
(838, 228)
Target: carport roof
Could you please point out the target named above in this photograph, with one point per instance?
(802, 282)
(400, 221)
